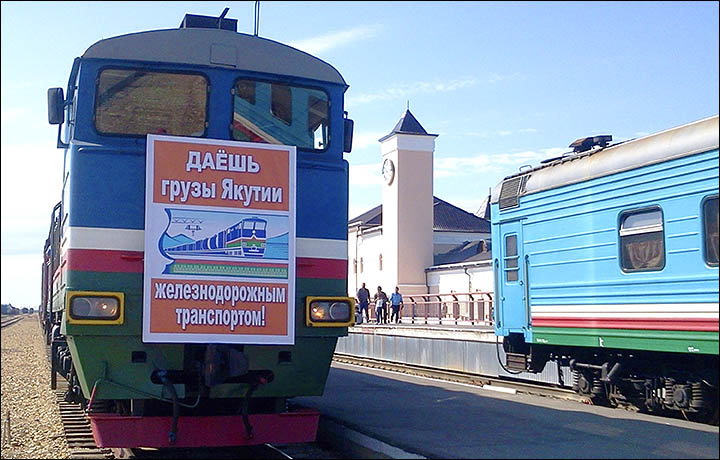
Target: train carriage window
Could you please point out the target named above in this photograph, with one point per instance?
(280, 114)
(642, 240)
(511, 258)
(138, 102)
(710, 227)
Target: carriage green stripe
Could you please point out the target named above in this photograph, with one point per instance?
(653, 340)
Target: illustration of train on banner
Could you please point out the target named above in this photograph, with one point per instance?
(194, 278)
(245, 238)
(606, 261)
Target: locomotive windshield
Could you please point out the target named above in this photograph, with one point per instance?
(280, 114)
(138, 102)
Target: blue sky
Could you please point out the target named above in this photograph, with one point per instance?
(503, 84)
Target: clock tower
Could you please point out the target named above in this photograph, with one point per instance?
(407, 206)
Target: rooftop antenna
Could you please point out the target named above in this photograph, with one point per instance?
(219, 22)
(408, 105)
(257, 18)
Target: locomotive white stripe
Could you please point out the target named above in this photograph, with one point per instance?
(672, 310)
(134, 240)
(321, 248)
(118, 239)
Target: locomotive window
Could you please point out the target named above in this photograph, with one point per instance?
(511, 258)
(642, 241)
(245, 89)
(138, 102)
(710, 224)
(281, 102)
(280, 114)
(317, 120)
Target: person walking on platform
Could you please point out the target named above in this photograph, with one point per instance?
(363, 296)
(396, 301)
(380, 300)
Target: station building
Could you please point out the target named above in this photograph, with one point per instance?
(413, 239)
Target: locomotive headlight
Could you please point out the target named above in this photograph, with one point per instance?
(330, 311)
(85, 307)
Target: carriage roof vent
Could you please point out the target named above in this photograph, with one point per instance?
(511, 190)
(586, 143)
(196, 21)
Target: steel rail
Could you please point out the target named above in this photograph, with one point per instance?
(10, 321)
(494, 383)
(478, 380)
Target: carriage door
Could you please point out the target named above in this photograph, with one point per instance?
(513, 312)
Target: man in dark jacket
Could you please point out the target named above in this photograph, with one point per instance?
(363, 297)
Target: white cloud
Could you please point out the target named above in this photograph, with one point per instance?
(483, 163)
(321, 43)
(362, 140)
(368, 174)
(501, 133)
(31, 180)
(13, 114)
(21, 279)
(407, 89)
(471, 205)
(496, 77)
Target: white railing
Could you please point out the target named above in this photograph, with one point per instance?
(456, 308)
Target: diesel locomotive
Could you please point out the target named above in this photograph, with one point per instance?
(194, 278)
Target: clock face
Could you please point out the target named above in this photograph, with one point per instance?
(388, 171)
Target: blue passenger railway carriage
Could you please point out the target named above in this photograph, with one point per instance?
(202, 80)
(606, 260)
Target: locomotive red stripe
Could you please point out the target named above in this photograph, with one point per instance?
(308, 267)
(98, 260)
(667, 324)
(113, 430)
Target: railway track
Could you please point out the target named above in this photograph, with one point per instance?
(77, 429)
(9, 321)
(78, 435)
(488, 382)
(495, 383)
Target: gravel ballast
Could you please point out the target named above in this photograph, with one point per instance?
(35, 427)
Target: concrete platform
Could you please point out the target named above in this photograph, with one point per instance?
(473, 333)
(379, 414)
(473, 349)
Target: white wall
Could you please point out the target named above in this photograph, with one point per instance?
(369, 248)
(444, 281)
